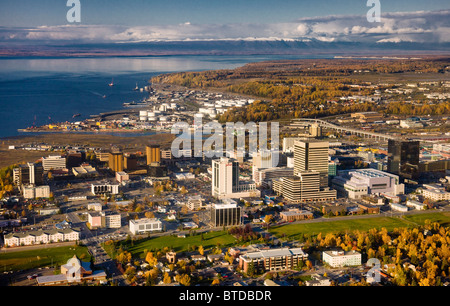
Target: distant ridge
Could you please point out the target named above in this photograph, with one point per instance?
(224, 47)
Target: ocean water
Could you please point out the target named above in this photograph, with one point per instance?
(38, 91)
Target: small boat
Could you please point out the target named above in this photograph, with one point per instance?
(137, 87)
(76, 115)
(111, 84)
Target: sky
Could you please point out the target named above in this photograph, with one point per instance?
(149, 20)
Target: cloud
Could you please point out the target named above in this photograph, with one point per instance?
(419, 26)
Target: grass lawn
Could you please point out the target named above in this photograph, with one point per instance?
(182, 244)
(292, 230)
(13, 261)
(442, 218)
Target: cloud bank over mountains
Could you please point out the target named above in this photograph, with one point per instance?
(417, 27)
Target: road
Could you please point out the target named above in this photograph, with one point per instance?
(101, 258)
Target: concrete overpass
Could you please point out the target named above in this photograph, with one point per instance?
(327, 125)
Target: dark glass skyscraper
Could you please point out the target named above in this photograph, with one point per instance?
(403, 158)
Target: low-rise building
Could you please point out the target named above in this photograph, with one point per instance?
(435, 193)
(84, 170)
(339, 258)
(36, 192)
(95, 206)
(74, 272)
(41, 237)
(272, 260)
(295, 215)
(104, 219)
(195, 203)
(49, 211)
(98, 189)
(122, 176)
(398, 207)
(415, 204)
(146, 225)
(318, 281)
(358, 183)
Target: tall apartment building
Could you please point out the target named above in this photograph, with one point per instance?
(115, 161)
(403, 158)
(53, 163)
(28, 174)
(226, 215)
(153, 154)
(312, 155)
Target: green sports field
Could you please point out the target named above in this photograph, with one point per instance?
(442, 218)
(292, 231)
(210, 240)
(39, 258)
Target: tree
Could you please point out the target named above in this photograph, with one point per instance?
(184, 279)
(201, 250)
(151, 259)
(251, 270)
(268, 219)
(167, 279)
(149, 215)
(183, 190)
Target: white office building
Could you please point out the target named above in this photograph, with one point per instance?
(53, 163)
(341, 258)
(33, 192)
(111, 219)
(146, 225)
(357, 183)
(97, 189)
(225, 180)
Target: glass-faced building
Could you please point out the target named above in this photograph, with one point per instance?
(403, 158)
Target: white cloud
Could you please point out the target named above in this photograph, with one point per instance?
(421, 26)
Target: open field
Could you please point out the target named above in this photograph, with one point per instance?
(441, 218)
(43, 257)
(291, 231)
(131, 143)
(210, 240)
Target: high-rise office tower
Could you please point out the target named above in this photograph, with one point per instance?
(226, 215)
(403, 158)
(28, 174)
(116, 161)
(225, 176)
(315, 130)
(312, 155)
(303, 187)
(153, 154)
